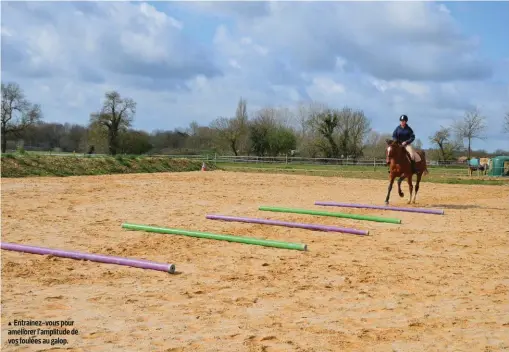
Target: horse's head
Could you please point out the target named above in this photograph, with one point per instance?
(393, 150)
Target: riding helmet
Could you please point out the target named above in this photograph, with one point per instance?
(403, 118)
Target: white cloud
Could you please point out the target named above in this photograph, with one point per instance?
(325, 87)
(414, 88)
(6, 31)
(340, 63)
(385, 58)
(126, 38)
(233, 63)
(444, 9)
(390, 40)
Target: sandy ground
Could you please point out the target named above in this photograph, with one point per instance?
(433, 283)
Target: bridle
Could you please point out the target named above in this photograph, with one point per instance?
(387, 152)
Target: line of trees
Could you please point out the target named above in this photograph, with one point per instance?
(312, 130)
(17, 113)
(450, 139)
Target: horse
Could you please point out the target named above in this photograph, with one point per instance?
(400, 166)
(480, 165)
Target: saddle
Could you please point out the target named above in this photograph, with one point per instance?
(408, 155)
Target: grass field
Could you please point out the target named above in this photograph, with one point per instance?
(452, 175)
(34, 164)
(23, 165)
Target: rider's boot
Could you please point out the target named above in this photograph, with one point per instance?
(414, 169)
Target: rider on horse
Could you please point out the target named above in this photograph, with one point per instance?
(405, 135)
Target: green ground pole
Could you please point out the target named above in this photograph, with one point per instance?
(212, 236)
(326, 213)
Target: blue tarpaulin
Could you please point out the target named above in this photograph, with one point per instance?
(473, 162)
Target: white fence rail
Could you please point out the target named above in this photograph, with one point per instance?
(318, 161)
(263, 159)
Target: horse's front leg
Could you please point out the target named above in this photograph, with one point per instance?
(410, 188)
(389, 189)
(400, 192)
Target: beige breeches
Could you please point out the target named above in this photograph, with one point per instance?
(412, 153)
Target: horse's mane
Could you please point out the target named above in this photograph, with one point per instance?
(401, 152)
(401, 148)
(392, 143)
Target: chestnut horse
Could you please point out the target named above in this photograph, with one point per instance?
(400, 166)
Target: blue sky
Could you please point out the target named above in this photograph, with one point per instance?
(192, 61)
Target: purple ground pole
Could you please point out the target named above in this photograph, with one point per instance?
(288, 224)
(138, 263)
(367, 206)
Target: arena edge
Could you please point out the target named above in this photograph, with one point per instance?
(28, 165)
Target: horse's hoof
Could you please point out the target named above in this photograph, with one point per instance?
(401, 194)
(386, 203)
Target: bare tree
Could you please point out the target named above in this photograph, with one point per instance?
(116, 115)
(375, 145)
(18, 113)
(308, 116)
(417, 144)
(471, 127)
(225, 133)
(306, 127)
(193, 128)
(342, 131)
(353, 127)
(373, 138)
(447, 147)
(506, 122)
(200, 137)
(285, 117)
(241, 112)
(241, 124)
(327, 123)
(232, 132)
(73, 136)
(440, 138)
(302, 120)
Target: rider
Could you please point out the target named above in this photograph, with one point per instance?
(405, 135)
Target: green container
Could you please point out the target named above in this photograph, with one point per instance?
(212, 236)
(326, 213)
(499, 166)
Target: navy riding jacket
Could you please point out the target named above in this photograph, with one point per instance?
(405, 134)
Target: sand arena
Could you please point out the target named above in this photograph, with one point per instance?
(432, 283)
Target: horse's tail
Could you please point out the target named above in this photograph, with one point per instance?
(425, 172)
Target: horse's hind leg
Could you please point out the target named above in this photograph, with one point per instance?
(410, 188)
(417, 182)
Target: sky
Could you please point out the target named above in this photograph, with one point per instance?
(192, 61)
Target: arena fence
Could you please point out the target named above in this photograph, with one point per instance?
(347, 164)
